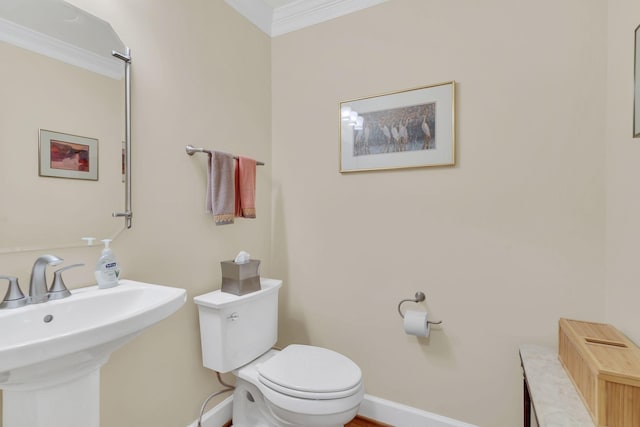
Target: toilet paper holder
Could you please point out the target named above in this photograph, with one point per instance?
(420, 296)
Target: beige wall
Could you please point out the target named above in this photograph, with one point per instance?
(623, 194)
(503, 244)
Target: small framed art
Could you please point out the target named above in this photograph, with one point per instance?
(68, 156)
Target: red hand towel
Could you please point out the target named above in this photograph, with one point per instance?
(245, 187)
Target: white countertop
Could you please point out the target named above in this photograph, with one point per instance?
(555, 399)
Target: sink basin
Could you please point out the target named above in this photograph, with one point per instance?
(89, 320)
(51, 345)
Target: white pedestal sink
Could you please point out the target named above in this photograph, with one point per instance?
(51, 353)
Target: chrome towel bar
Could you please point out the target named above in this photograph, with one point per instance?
(191, 150)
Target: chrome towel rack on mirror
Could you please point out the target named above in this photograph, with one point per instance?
(127, 214)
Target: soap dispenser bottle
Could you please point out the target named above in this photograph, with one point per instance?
(107, 269)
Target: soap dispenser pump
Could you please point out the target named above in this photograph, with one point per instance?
(107, 269)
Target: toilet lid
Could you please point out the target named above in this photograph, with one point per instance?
(300, 369)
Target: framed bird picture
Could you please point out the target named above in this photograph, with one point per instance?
(636, 104)
(406, 129)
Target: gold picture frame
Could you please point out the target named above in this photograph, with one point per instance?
(636, 97)
(412, 128)
(68, 156)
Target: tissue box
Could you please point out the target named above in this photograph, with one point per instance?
(604, 366)
(240, 279)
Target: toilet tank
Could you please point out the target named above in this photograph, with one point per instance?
(235, 329)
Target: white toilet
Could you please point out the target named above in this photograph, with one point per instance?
(298, 386)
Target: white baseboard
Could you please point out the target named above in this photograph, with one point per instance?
(372, 407)
(399, 415)
(218, 415)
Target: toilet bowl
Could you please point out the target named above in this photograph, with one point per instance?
(299, 386)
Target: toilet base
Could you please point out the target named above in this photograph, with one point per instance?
(251, 410)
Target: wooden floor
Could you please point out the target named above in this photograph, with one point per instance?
(366, 422)
(356, 422)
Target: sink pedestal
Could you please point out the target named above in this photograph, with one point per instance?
(75, 403)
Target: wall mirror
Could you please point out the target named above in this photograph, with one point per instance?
(59, 75)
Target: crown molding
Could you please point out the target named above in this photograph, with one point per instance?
(256, 11)
(304, 13)
(297, 14)
(35, 41)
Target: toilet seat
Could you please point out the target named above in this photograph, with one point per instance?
(309, 372)
(287, 402)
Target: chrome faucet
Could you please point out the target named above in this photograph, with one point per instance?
(38, 290)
